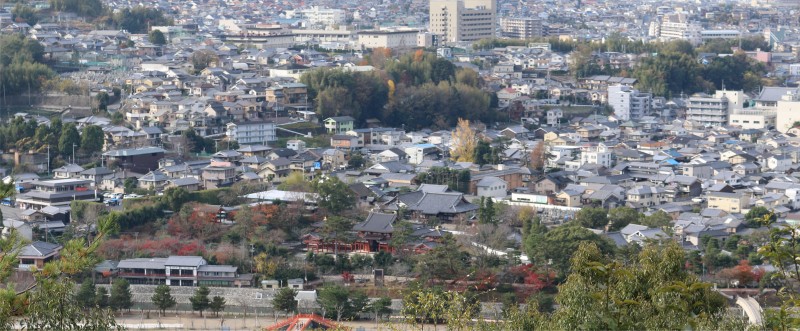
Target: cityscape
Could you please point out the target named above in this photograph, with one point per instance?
(400, 165)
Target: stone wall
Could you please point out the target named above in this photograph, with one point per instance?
(242, 297)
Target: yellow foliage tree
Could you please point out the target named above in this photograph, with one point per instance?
(391, 89)
(464, 141)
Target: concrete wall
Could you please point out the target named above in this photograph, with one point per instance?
(248, 297)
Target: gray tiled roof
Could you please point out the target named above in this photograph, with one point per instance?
(377, 222)
(187, 261)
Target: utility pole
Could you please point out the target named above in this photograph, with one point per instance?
(73, 153)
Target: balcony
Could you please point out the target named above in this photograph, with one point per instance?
(142, 275)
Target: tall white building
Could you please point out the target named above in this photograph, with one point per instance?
(598, 154)
(323, 16)
(714, 110)
(628, 103)
(248, 133)
(463, 20)
(788, 109)
(676, 26)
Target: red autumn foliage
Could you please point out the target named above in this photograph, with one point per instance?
(529, 275)
(127, 247)
(743, 273)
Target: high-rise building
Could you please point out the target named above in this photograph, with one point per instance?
(676, 26)
(629, 103)
(463, 20)
(521, 28)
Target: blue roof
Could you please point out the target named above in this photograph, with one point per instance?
(424, 145)
(671, 162)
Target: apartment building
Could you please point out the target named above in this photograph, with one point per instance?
(463, 20)
(787, 108)
(676, 26)
(714, 111)
(250, 133)
(629, 103)
(521, 28)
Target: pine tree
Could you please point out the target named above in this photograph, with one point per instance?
(101, 297)
(200, 300)
(163, 299)
(86, 294)
(217, 304)
(121, 297)
(284, 300)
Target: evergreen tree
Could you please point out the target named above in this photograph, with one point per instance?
(200, 301)
(217, 304)
(86, 294)
(92, 139)
(121, 297)
(284, 300)
(163, 299)
(157, 37)
(101, 297)
(69, 138)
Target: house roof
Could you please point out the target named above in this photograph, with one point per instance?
(39, 249)
(97, 171)
(187, 261)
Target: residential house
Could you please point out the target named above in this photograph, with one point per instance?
(36, 254)
(728, 202)
(339, 124)
(218, 175)
(67, 171)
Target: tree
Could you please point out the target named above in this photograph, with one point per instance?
(70, 138)
(595, 218)
(139, 19)
(22, 13)
(621, 216)
(334, 299)
(121, 297)
(284, 300)
(50, 303)
(464, 142)
(627, 296)
(442, 70)
(101, 297)
(83, 8)
(446, 261)
(755, 217)
(783, 251)
(162, 299)
(201, 59)
(157, 37)
(556, 246)
(92, 139)
(381, 307)
(538, 156)
(356, 161)
(486, 211)
(217, 304)
(86, 294)
(200, 300)
(334, 195)
(337, 229)
(657, 219)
